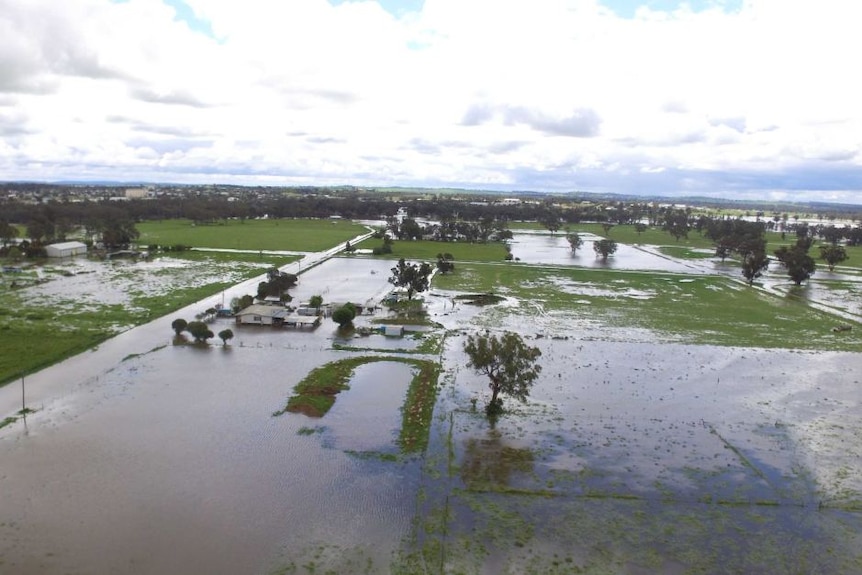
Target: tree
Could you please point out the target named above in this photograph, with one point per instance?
(8, 232)
(344, 315)
(179, 325)
(832, 235)
(411, 276)
(754, 263)
(604, 248)
(509, 363)
(237, 304)
(316, 301)
(409, 230)
(119, 233)
(200, 331)
(575, 241)
(676, 224)
(225, 335)
(833, 254)
(800, 266)
(607, 227)
(724, 247)
(444, 263)
(550, 218)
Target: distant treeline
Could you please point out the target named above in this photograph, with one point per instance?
(52, 214)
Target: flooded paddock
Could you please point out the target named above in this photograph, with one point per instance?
(553, 249)
(173, 463)
(642, 458)
(631, 456)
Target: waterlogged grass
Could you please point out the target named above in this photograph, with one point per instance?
(704, 310)
(38, 331)
(418, 407)
(305, 235)
(262, 260)
(687, 253)
(315, 394)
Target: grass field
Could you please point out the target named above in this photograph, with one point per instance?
(282, 235)
(703, 310)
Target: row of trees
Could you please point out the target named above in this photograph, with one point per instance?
(486, 229)
(277, 284)
(199, 330)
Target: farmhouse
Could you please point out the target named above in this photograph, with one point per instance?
(259, 314)
(276, 316)
(66, 249)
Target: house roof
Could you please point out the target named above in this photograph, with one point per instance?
(267, 310)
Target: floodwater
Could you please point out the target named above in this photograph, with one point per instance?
(630, 457)
(553, 249)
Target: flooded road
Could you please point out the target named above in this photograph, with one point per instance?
(630, 456)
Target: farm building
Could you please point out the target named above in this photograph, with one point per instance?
(66, 249)
(274, 315)
(393, 330)
(259, 314)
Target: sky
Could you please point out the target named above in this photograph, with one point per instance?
(738, 99)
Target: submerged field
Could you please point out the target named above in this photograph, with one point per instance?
(666, 307)
(682, 423)
(67, 307)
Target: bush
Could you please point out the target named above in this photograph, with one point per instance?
(344, 315)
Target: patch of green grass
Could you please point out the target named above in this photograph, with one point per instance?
(704, 309)
(379, 456)
(687, 253)
(480, 299)
(306, 235)
(418, 407)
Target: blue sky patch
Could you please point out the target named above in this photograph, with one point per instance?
(183, 13)
(627, 8)
(395, 7)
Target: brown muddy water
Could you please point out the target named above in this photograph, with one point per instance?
(630, 457)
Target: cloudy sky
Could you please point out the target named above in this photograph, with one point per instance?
(732, 98)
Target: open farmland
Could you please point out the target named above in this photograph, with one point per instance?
(59, 308)
(683, 422)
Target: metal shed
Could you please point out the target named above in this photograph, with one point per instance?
(66, 249)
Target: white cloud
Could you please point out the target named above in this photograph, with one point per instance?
(544, 95)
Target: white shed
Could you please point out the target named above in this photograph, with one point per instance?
(393, 330)
(66, 249)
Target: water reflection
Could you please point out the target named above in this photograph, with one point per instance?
(491, 462)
